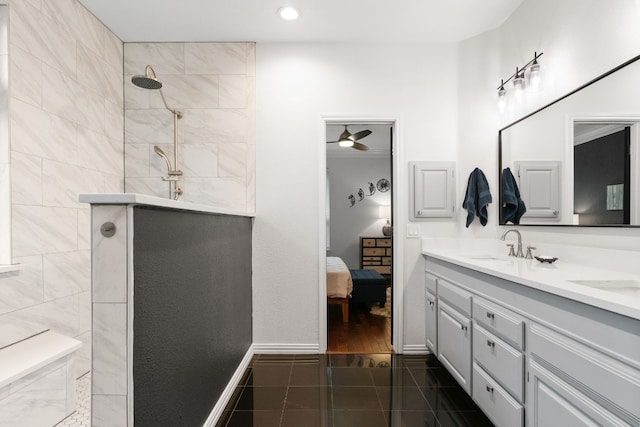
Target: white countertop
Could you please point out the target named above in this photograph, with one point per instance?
(145, 200)
(554, 278)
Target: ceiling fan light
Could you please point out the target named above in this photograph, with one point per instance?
(288, 13)
(345, 143)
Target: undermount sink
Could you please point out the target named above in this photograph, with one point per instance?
(485, 257)
(608, 283)
(623, 287)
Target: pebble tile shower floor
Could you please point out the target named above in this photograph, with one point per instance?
(350, 390)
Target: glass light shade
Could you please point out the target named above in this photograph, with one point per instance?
(535, 79)
(502, 99)
(345, 143)
(518, 87)
(385, 212)
(288, 13)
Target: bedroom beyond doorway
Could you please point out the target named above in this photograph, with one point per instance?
(359, 237)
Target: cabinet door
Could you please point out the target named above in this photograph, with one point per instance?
(552, 402)
(432, 322)
(454, 344)
(432, 189)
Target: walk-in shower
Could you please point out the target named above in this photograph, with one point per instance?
(150, 81)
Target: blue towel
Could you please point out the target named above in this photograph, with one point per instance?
(477, 197)
(512, 205)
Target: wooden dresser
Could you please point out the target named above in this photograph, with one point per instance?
(375, 254)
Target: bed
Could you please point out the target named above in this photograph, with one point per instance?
(339, 285)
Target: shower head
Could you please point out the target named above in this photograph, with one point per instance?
(147, 81)
(160, 152)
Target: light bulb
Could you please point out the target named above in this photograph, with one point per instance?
(345, 143)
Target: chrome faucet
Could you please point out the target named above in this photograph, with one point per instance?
(519, 253)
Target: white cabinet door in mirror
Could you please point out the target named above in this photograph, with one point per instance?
(539, 183)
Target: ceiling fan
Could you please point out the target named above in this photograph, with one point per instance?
(348, 139)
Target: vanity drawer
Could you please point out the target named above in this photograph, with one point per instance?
(611, 379)
(500, 321)
(496, 403)
(430, 283)
(501, 360)
(455, 296)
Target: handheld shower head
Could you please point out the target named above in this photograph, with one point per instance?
(147, 81)
(160, 152)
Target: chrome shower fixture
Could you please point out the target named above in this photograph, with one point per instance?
(150, 81)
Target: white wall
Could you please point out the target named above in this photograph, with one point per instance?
(66, 101)
(580, 40)
(296, 85)
(349, 223)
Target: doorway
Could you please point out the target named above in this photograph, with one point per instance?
(358, 206)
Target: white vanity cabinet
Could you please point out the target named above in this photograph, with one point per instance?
(498, 362)
(454, 331)
(537, 359)
(431, 325)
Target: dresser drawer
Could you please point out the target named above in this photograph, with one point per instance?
(369, 242)
(501, 360)
(496, 403)
(500, 321)
(386, 260)
(373, 252)
(455, 296)
(384, 243)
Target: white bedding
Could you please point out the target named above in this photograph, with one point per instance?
(339, 283)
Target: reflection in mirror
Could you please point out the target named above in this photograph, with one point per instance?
(575, 161)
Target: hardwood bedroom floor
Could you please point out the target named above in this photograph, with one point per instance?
(364, 333)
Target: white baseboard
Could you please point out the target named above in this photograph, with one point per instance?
(415, 349)
(217, 410)
(286, 348)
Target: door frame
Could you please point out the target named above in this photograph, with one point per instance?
(399, 223)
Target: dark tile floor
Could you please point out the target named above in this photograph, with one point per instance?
(350, 390)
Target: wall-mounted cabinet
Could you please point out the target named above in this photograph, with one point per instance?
(432, 190)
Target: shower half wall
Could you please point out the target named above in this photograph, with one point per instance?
(171, 309)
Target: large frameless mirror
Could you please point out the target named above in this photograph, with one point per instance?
(575, 161)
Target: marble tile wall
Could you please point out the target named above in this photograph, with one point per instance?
(214, 85)
(66, 137)
(5, 173)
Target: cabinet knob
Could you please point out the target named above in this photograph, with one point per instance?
(491, 315)
(463, 327)
(491, 343)
(431, 303)
(490, 389)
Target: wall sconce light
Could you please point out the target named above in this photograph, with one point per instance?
(519, 82)
(385, 213)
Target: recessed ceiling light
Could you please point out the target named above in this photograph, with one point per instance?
(288, 13)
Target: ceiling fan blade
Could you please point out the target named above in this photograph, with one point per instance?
(360, 147)
(332, 142)
(359, 135)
